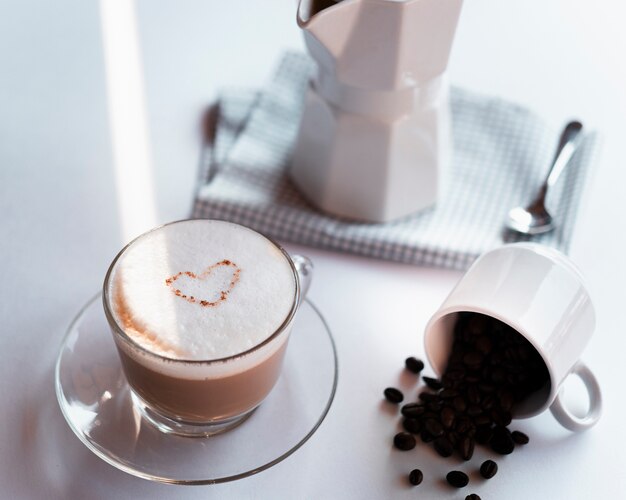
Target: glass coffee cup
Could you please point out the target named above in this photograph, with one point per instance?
(153, 299)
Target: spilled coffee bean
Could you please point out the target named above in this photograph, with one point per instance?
(404, 441)
(434, 427)
(414, 365)
(415, 477)
(447, 417)
(426, 436)
(466, 448)
(412, 410)
(488, 469)
(457, 478)
(502, 442)
(443, 447)
(393, 395)
(472, 496)
(412, 425)
(433, 383)
(519, 437)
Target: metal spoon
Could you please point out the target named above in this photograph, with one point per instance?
(535, 219)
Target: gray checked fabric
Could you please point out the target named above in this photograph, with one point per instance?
(501, 155)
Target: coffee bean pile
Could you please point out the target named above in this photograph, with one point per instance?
(491, 368)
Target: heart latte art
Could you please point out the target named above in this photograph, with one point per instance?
(184, 281)
(201, 290)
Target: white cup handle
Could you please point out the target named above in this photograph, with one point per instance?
(304, 268)
(565, 417)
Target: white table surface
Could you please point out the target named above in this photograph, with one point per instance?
(65, 139)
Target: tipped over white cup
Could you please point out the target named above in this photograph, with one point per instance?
(538, 292)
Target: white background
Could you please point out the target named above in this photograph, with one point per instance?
(87, 98)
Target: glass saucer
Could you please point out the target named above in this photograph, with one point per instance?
(95, 399)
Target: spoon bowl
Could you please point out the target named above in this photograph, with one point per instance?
(530, 221)
(535, 218)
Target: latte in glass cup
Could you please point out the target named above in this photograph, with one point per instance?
(201, 312)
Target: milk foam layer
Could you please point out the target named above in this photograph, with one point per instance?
(201, 290)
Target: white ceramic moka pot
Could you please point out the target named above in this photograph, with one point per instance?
(375, 132)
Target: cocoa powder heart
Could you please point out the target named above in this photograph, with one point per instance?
(222, 294)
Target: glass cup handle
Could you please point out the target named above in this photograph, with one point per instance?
(304, 268)
(565, 417)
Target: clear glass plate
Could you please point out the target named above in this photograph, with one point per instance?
(96, 402)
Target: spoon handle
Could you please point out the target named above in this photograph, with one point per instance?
(565, 150)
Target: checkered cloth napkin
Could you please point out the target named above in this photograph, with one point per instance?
(501, 156)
